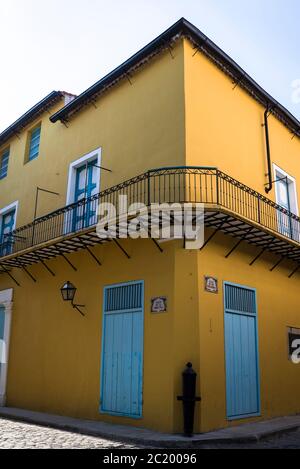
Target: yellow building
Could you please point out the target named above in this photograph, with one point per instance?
(178, 122)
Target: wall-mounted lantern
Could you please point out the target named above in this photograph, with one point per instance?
(68, 292)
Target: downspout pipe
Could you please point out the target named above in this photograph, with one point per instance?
(269, 186)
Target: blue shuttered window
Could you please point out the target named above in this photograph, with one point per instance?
(4, 159)
(122, 352)
(85, 187)
(34, 145)
(7, 226)
(241, 350)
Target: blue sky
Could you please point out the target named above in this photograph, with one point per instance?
(70, 44)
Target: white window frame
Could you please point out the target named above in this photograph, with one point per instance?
(4, 211)
(293, 197)
(77, 164)
(280, 173)
(6, 300)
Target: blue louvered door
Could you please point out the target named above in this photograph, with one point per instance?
(85, 187)
(122, 350)
(241, 351)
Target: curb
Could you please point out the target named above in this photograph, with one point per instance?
(167, 443)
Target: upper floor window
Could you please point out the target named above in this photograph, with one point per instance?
(84, 183)
(34, 143)
(4, 158)
(286, 197)
(7, 225)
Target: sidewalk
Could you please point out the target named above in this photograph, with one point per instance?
(242, 434)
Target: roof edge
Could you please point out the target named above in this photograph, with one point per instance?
(46, 103)
(204, 45)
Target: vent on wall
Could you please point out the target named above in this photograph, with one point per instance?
(126, 297)
(240, 299)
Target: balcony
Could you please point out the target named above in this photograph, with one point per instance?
(230, 207)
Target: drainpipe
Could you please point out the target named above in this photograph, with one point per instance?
(266, 125)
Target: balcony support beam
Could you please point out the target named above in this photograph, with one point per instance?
(92, 254)
(68, 262)
(156, 244)
(121, 248)
(257, 257)
(9, 274)
(29, 274)
(294, 271)
(277, 264)
(47, 268)
(214, 233)
(244, 238)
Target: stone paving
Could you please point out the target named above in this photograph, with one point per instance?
(17, 435)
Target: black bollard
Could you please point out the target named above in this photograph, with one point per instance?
(189, 399)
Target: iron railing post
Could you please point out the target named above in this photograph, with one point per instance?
(217, 187)
(149, 188)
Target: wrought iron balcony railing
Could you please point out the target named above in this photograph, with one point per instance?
(219, 192)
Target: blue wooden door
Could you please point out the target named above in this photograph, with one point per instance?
(85, 187)
(241, 351)
(7, 226)
(122, 350)
(2, 321)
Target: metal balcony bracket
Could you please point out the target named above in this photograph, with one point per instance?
(210, 238)
(277, 264)
(29, 274)
(10, 275)
(92, 254)
(244, 238)
(264, 246)
(257, 257)
(69, 262)
(234, 248)
(294, 271)
(121, 248)
(47, 268)
(156, 244)
(214, 233)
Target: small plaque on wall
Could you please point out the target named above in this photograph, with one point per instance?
(159, 305)
(211, 285)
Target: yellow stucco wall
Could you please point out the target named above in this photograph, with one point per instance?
(277, 310)
(224, 127)
(55, 353)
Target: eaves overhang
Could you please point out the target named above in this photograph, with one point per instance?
(42, 106)
(201, 42)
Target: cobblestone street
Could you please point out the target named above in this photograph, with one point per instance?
(17, 435)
